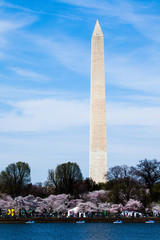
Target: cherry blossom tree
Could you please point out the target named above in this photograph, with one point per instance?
(115, 208)
(95, 195)
(133, 205)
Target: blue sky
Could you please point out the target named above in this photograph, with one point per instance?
(45, 81)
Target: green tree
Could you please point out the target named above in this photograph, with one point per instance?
(131, 182)
(148, 172)
(14, 178)
(64, 177)
(87, 185)
(118, 172)
(123, 189)
(155, 193)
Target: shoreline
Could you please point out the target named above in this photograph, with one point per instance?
(74, 220)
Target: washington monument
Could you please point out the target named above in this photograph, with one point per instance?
(98, 139)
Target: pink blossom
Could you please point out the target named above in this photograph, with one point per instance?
(87, 207)
(115, 208)
(133, 205)
(95, 196)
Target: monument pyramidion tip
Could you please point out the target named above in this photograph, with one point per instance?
(97, 30)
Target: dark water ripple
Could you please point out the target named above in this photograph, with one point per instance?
(73, 231)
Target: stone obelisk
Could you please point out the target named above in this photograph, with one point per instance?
(98, 139)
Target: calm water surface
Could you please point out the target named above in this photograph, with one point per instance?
(73, 231)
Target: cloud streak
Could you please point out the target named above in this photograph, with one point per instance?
(39, 12)
(70, 52)
(127, 13)
(10, 24)
(45, 115)
(130, 71)
(123, 114)
(56, 115)
(29, 74)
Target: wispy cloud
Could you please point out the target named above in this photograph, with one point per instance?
(127, 12)
(16, 94)
(49, 114)
(123, 114)
(15, 6)
(136, 99)
(13, 24)
(45, 115)
(10, 23)
(13, 21)
(40, 12)
(130, 71)
(69, 51)
(30, 75)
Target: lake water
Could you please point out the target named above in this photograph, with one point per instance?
(73, 231)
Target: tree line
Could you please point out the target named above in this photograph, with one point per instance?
(123, 183)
